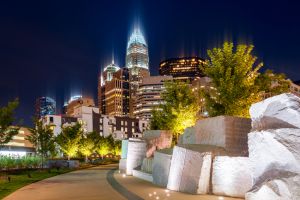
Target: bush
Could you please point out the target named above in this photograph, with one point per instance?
(25, 162)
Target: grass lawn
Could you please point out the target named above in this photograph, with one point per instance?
(21, 179)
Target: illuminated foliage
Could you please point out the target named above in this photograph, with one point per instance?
(42, 138)
(69, 138)
(233, 72)
(117, 147)
(273, 84)
(179, 110)
(104, 146)
(86, 146)
(7, 131)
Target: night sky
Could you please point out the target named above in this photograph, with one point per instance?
(56, 48)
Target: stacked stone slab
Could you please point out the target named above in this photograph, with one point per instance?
(147, 165)
(123, 160)
(231, 176)
(161, 166)
(191, 168)
(135, 155)
(157, 139)
(222, 131)
(274, 148)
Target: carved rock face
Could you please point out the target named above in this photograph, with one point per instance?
(281, 111)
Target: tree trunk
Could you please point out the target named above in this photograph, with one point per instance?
(86, 159)
(68, 157)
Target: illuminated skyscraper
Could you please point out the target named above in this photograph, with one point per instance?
(137, 61)
(137, 51)
(44, 106)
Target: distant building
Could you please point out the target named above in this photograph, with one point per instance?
(78, 101)
(149, 95)
(44, 106)
(18, 146)
(185, 68)
(113, 91)
(58, 121)
(119, 127)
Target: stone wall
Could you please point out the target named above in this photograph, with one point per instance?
(161, 167)
(223, 131)
(157, 139)
(136, 154)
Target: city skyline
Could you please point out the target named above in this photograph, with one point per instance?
(59, 58)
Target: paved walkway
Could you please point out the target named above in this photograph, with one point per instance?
(103, 183)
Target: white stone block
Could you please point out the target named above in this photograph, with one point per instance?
(273, 151)
(275, 157)
(278, 189)
(124, 148)
(147, 165)
(231, 176)
(189, 171)
(142, 175)
(122, 165)
(281, 111)
(136, 154)
(188, 137)
(161, 167)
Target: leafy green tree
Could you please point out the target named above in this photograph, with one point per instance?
(86, 146)
(69, 138)
(7, 131)
(42, 138)
(179, 109)
(117, 147)
(273, 84)
(233, 72)
(104, 146)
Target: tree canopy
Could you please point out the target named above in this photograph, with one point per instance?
(69, 138)
(179, 109)
(233, 72)
(7, 131)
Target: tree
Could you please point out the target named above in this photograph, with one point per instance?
(42, 138)
(273, 84)
(117, 147)
(7, 131)
(179, 109)
(104, 146)
(86, 146)
(233, 73)
(69, 138)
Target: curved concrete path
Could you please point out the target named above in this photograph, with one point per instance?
(103, 183)
(87, 184)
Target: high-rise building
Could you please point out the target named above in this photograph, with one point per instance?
(44, 106)
(113, 91)
(185, 68)
(137, 61)
(149, 95)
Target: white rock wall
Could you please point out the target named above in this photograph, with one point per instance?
(161, 168)
(281, 111)
(136, 154)
(186, 168)
(231, 176)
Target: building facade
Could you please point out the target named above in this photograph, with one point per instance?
(19, 145)
(119, 127)
(149, 95)
(185, 68)
(113, 91)
(44, 106)
(79, 101)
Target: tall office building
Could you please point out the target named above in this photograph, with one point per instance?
(44, 106)
(137, 61)
(113, 91)
(185, 68)
(149, 95)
